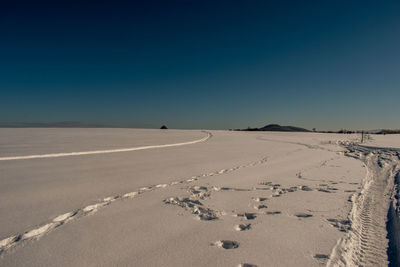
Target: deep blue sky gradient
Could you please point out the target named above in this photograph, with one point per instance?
(201, 64)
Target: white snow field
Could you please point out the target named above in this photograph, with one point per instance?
(134, 197)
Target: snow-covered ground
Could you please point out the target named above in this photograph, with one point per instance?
(214, 198)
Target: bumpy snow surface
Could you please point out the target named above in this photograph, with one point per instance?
(131, 197)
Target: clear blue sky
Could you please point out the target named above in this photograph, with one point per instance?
(201, 64)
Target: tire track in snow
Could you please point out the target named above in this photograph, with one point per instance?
(69, 154)
(62, 219)
(366, 242)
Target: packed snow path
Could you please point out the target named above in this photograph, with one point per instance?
(366, 244)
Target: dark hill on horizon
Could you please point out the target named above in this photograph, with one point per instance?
(278, 128)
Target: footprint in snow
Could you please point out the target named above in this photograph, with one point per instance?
(243, 227)
(303, 215)
(247, 216)
(226, 244)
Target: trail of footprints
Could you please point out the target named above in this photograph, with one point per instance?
(193, 203)
(204, 213)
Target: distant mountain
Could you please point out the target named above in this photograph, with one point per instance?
(389, 131)
(278, 128)
(374, 131)
(62, 124)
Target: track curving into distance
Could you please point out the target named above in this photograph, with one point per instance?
(69, 154)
